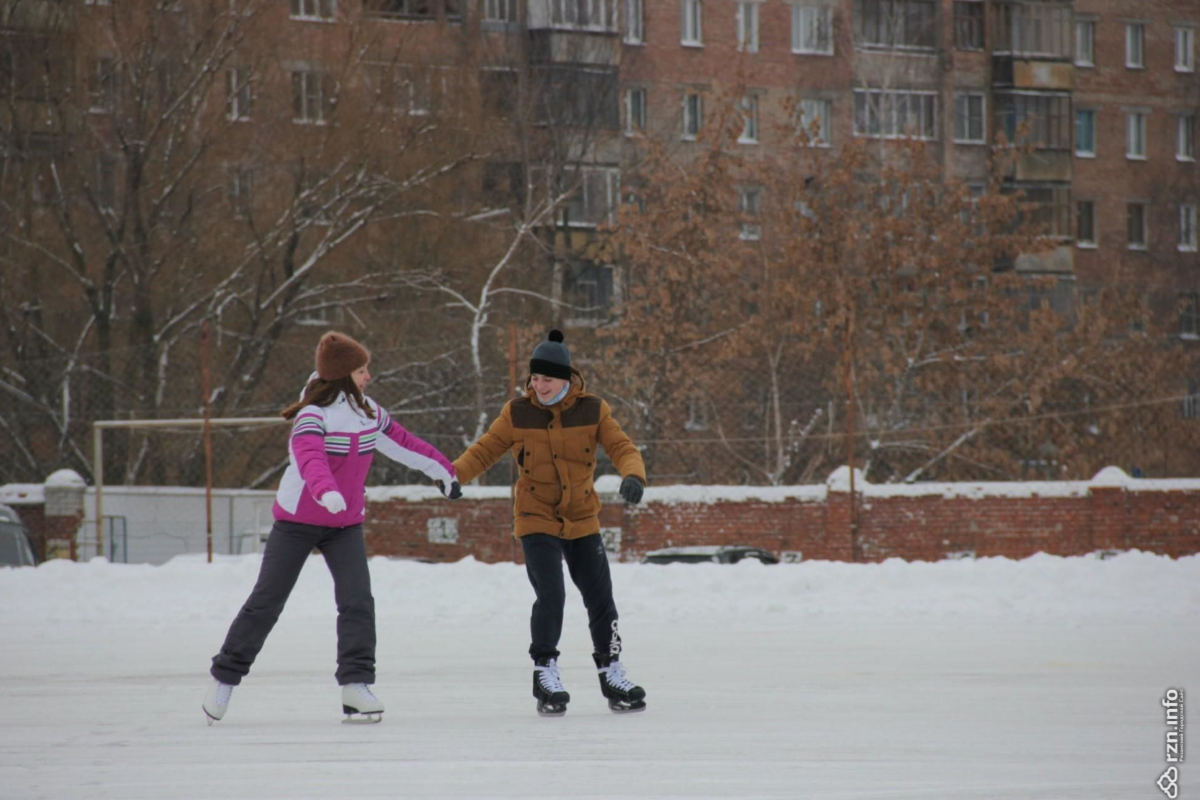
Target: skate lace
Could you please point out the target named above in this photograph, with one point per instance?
(549, 677)
(364, 691)
(614, 673)
(224, 692)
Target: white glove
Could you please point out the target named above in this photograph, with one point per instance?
(334, 502)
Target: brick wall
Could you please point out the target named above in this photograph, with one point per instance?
(928, 522)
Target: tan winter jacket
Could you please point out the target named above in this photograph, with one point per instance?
(555, 451)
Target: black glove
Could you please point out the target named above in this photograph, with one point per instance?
(455, 490)
(631, 489)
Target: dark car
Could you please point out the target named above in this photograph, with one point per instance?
(15, 549)
(708, 554)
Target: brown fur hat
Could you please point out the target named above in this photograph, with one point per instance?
(338, 356)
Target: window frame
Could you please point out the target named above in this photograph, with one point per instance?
(692, 22)
(297, 10)
(925, 95)
(1135, 40)
(1093, 242)
(632, 33)
(635, 123)
(1079, 152)
(1185, 137)
(826, 118)
(693, 115)
(750, 231)
(748, 108)
(234, 99)
(1136, 127)
(1088, 25)
(983, 127)
(748, 26)
(974, 24)
(1185, 33)
(1143, 219)
(1187, 239)
(1189, 308)
(324, 97)
(819, 20)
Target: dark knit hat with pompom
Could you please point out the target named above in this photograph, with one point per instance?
(551, 358)
(338, 355)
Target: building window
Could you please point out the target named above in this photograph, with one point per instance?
(312, 97)
(1135, 226)
(896, 23)
(1085, 223)
(1187, 228)
(1048, 117)
(892, 115)
(590, 289)
(816, 118)
(585, 15)
(1036, 29)
(1185, 137)
(1085, 43)
(697, 413)
(592, 193)
(240, 189)
(106, 182)
(635, 110)
(693, 23)
(237, 94)
(102, 85)
(968, 24)
(1135, 135)
(1190, 408)
(1051, 214)
(969, 118)
(1187, 315)
(1085, 133)
(747, 27)
(634, 27)
(693, 114)
(314, 9)
(502, 11)
(749, 207)
(812, 30)
(1185, 50)
(749, 111)
(1135, 37)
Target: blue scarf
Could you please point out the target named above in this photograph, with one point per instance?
(560, 395)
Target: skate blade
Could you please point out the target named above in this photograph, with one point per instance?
(627, 708)
(372, 718)
(552, 709)
(209, 718)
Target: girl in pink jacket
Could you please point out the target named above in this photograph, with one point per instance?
(320, 504)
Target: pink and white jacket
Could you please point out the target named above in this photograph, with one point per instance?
(331, 449)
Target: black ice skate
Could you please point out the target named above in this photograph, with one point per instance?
(548, 689)
(623, 695)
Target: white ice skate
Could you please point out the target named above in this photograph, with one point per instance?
(360, 704)
(216, 700)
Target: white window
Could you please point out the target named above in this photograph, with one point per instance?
(1085, 223)
(693, 23)
(1135, 226)
(500, 11)
(1187, 228)
(1033, 28)
(237, 94)
(312, 97)
(634, 26)
(969, 114)
(693, 114)
(241, 187)
(314, 9)
(749, 206)
(1185, 49)
(586, 15)
(1185, 137)
(747, 27)
(812, 29)
(1085, 133)
(816, 118)
(1085, 43)
(749, 109)
(1135, 37)
(697, 411)
(592, 193)
(1135, 135)
(635, 110)
(895, 114)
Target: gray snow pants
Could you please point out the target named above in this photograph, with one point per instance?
(287, 549)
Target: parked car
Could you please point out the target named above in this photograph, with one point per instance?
(15, 547)
(708, 554)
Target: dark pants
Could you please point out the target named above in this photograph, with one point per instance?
(588, 565)
(287, 549)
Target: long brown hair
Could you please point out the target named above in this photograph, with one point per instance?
(320, 392)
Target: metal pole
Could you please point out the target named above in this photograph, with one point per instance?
(98, 474)
(204, 381)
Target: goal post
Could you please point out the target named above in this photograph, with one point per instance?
(99, 426)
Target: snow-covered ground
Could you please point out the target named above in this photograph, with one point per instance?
(966, 679)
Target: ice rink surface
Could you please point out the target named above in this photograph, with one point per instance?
(972, 680)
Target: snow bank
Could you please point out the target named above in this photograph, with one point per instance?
(1131, 584)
